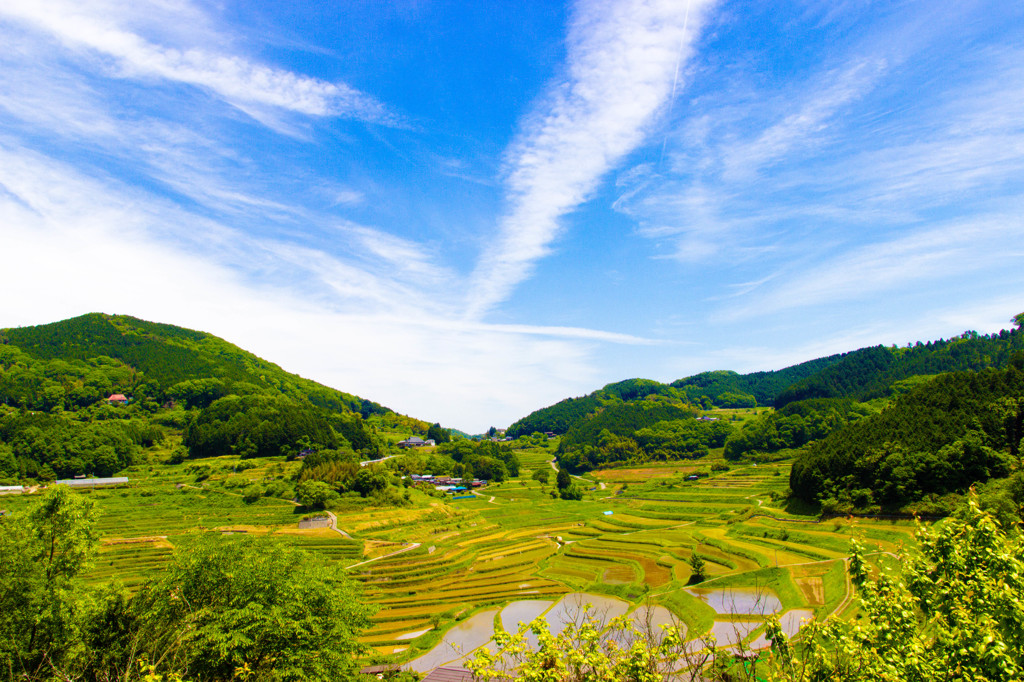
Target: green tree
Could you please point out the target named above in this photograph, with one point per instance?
(251, 608)
(542, 475)
(314, 494)
(562, 479)
(952, 612)
(438, 435)
(41, 554)
(574, 492)
(370, 480)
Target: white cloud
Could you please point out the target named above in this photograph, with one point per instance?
(623, 61)
(255, 88)
(78, 244)
(932, 254)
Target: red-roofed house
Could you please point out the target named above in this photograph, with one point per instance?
(117, 399)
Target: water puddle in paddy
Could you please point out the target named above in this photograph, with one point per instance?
(732, 632)
(572, 607)
(413, 635)
(477, 631)
(790, 621)
(648, 620)
(457, 643)
(522, 612)
(738, 601)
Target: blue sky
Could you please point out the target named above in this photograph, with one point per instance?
(467, 211)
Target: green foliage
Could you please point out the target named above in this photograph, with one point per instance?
(41, 554)
(871, 372)
(572, 492)
(940, 437)
(257, 426)
(562, 479)
(226, 608)
(793, 426)
(542, 476)
(250, 607)
(954, 611)
(698, 568)
(438, 435)
(53, 445)
(315, 494)
(484, 459)
(720, 387)
(653, 429)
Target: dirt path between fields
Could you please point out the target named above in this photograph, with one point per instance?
(404, 549)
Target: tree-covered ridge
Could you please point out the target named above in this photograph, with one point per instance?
(763, 386)
(793, 426)
(871, 372)
(164, 356)
(861, 375)
(56, 421)
(267, 426)
(721, 388)
(654, 428)
(940, 437)
(561, 416)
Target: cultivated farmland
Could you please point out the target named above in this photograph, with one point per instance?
(636, 535)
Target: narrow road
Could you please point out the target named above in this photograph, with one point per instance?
(404, 549)
(480, 495)
(334, 526)
(377, 461)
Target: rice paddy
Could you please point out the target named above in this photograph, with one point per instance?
(443, 564)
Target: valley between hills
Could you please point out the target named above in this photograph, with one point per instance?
(721, 503)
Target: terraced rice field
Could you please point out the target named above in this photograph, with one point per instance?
(442, 563)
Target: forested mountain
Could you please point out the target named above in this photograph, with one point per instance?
(720, 388)
(158, 360)
(871, 372)
(652, 428)
(861, 375)
(941, 437)
(56, 419)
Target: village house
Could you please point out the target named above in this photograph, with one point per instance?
(415, 442)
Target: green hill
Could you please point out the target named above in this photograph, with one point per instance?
(861, 375)
(167, 361)
(56, 419)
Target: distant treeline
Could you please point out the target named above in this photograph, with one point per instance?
(859, 375)
(651, 429)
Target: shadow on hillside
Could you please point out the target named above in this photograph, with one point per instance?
(799, 507)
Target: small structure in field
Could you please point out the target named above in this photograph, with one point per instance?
(415, 442)
(92, 482)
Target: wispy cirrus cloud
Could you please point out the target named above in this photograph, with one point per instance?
(623, 66)
(838, 184)
(249, 85)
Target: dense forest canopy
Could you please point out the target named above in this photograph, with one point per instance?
(940, 437)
